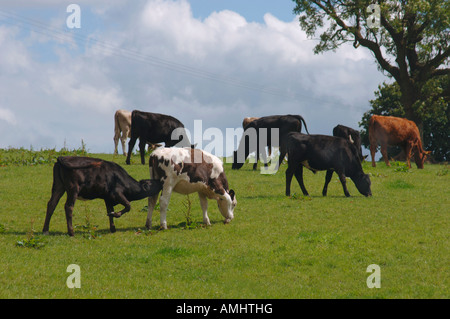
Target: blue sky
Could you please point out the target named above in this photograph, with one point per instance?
(210, 60)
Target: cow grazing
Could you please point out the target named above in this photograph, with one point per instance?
(352, 135)
(284, 124)
(122, 131)
(89, 178)
(395, 131)
(186, 171)
(155, 128)
(322, 152)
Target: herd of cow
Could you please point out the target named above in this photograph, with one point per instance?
(188, 170)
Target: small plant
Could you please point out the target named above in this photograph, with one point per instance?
(296, 196)
(187, 214)
(31, 241)
(444, 171)
(190, 224)
(89, 228)
(400, 167)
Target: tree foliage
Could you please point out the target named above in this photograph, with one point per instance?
(410, 45)
(436, 121)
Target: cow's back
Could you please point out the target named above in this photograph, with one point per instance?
(393, 130)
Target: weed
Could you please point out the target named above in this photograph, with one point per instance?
(296, 196)
(31, 241)
(400, 167)
(444, 171)
(89, 228)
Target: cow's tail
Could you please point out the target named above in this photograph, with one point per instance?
(153, 163)
(116, 124)
(301, 119)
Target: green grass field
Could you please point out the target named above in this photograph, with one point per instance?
(276, 247)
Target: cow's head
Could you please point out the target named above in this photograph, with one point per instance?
(420, 156)
(363, 183)
(150, 186)
(226, 204)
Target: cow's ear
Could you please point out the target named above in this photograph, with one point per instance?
(232, 194)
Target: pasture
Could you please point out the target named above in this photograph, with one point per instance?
(276, 246)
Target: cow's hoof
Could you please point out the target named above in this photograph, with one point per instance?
(227, 221)
(46, 233)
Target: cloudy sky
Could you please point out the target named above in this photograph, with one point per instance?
(212, 60)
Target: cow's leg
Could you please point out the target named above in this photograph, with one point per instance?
(121, 199)
(299, 176)
(282, 156)
(289, 174)
(327, 181)
(142, 150)
(163, 205)
(109, 212)
(131, 144)
(344, 183)
(373, 150)
(124, 142)
(204, 205)
(116, 141)
(70, 203)
(408, 152)
(57, 192)
(152, 200)
(385, 154)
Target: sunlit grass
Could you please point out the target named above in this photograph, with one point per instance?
(276, 247)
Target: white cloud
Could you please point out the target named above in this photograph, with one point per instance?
(156, 56)
(8, 116)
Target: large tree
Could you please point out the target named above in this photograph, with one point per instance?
(409, 40)
(436, 121)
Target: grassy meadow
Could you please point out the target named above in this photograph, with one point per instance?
(276, 247)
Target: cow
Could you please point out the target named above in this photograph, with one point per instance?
(323, 152)
(284, 124)
(88, 178)
(186, 171)
(352, 135)
(247, 121)
(122, 131)
(155, 128)
(396, 131)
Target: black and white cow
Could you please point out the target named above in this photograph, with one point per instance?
(90, 178)
(264, 125)
(322, 152)
(186, 171)
(352, 135)
(152, 128)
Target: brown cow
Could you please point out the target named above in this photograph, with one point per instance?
(395, 131)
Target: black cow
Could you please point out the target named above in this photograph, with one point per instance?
(284, 123)
(155, 128)
(89, 178)
(352, 135)
(322, 152)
